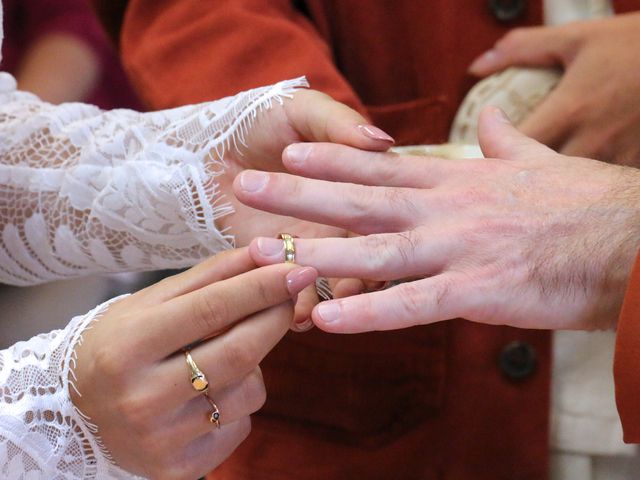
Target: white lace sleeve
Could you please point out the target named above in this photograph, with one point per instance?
(85, 191)
(42, 435)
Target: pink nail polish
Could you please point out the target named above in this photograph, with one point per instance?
(375, 133)
(300, 278)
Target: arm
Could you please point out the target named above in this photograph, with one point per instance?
(182, 51)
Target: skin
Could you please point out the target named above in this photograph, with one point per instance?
(595, 109)
(526, 237)
(134, 381)
(59, 68)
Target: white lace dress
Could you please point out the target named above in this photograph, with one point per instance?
(85, 191)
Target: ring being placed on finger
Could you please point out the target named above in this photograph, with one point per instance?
(289, 248)
(214, 416)
(197, 378)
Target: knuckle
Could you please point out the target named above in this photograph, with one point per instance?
(254, 391)
(208, 312)
(410, 298)
(386, 253)
(109, 362)
(136, 413)
(240, 356)
(358, 205)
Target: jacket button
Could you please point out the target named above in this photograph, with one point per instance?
(507, 10)
(518, 360)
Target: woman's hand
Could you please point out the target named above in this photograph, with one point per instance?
(309, 116)
(133, 377)
(528, 238)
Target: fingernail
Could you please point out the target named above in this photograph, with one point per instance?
(499, 114)
(302, 326)
(374, 132)
(298, 152)
(271, 247)
(489, 57)
(300, 278)
(252, 181)
(329, 312)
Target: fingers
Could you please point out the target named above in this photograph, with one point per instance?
(420, 302)
(500, 139)
(354, 207)
(376, 257)
(227, 358)
(537, 46)
(199, 314)
(205, 453)
(234, 402)
(319, 118)
(338, 163)
(219, 267)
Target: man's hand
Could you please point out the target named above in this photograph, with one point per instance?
(595, 109)
(309, 116)
(527, 238)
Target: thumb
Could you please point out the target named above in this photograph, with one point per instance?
(532, 47)
(318, 118)
(499, 138)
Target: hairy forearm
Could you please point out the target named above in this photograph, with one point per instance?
(59, 68)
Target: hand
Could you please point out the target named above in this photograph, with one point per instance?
(309, 116)
(134, 380)
(528, 238)
(595, 109)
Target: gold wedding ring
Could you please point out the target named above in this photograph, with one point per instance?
(289, 248)
(196, 377)
(214, 416)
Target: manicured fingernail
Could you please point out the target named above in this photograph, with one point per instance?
(487, 58)
(271, 247)
(252, 181)
(300, 278)
(329, 312)
(297, 153)
(499, 114)
(374, 132)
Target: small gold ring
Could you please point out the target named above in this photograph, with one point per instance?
(289, 248)
(198, 379)
(214, 416)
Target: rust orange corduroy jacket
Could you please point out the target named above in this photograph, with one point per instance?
(454, 401)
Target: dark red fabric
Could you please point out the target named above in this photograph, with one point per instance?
(424, 403)
(627, 360)
(27, 20)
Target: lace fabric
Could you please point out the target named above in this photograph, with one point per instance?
(86, 191)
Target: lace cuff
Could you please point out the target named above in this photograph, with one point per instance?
(42, 434)
(86, 191)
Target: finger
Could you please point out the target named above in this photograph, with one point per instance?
(535, 46)
(500, 139)
(207, 452)
(338, 163)
(414, 303)
(219, 267)
(354, 207)
(319, 118)
(196, 315)
(553, 120)
(234, 402)
(378, 257)
(347, 287)
(307, 299)
(226, 358)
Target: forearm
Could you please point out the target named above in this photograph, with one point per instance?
(87, 191)
(41, 432)
(59, 68)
